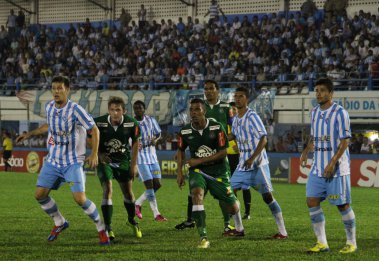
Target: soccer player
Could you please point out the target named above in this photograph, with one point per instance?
(116, 128)
(329, 177)
(233, 158)
(221, 112)
(253, 170)
(7, 150)
(148, 165)
(207, 143)
(67, 123)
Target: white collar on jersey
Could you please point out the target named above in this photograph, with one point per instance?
(211, 105)
(201, 131)
(109, 120)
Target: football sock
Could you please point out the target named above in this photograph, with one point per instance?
(90, 209)
(247, 200)
(150, 195)
(225, 213)
(141, 199)
(348, 218)
(130, 209)
(277, 213)
(198, 213)
(48, 205)
(237, 218)
(107, 209)
(189, 209)
(318, 223)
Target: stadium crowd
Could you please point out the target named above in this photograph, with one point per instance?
(264, 48)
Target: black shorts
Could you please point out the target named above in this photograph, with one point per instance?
(7, 154)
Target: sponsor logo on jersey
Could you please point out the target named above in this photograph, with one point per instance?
(216, 127)
(324, 138)
(184, 132)
(204, 151)
(102, 124)
(115, 146)
(61, 133)
(225, 105)
(323, 149)
(128, 124)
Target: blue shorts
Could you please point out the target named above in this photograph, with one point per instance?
(259, 179)
(337, 190)
(53, 177)
(149, 171)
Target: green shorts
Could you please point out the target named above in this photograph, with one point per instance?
(220, 189)
(105, 172)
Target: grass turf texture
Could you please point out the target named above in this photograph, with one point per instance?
(24, 227)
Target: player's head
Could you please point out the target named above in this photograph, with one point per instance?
(116, 108)
(197, 110)
(324, 90)
(211, 90)
(241, 97)
(139, 109)
(60, 87)
(234, 108)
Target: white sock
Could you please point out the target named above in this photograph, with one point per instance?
(280, 223)
(319, 229)
(237, 219)
(154, 207)
(141, 199)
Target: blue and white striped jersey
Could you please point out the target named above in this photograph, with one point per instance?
(149, 131)
(248, 131)
(66, 141)
(328, 128)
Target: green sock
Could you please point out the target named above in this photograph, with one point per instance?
(225, 213)
(131, 209)
(199, 217)
(107, 215)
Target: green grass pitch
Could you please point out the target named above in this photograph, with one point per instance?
(24, 227)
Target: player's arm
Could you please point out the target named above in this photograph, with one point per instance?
(41, 130)
(308, 148)
(261, 145)
(93, 159)
(135, 142)
(180, 179)
(330, 168)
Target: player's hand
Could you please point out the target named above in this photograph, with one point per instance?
(193, 162)
(248, 163)
(22, 137)
(93, 160)
(180, 179)
(329, 171)
(303, 159)
(104, 158)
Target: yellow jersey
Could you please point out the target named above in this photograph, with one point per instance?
(7, 144)
(232, 144)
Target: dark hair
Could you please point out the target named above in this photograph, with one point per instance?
(244, 90)
(213, 82)
(140, 103)
(117, 101)
(198, 100)
(326, 82)
(61, 79)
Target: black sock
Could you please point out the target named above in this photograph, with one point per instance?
(247, 200)
(107, 215)
(131, 209)
(189, 209)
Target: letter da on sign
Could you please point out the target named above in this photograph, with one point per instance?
(370, 170)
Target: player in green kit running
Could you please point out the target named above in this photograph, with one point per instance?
(207, 143)
(116, 128)
(221, 112)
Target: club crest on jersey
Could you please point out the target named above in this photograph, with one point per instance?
(51, 141)
(204, 151)
(212, 134)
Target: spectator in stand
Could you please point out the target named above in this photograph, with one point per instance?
(124, 19)
(11, 23)
(375, 147)
(142, 17)
(308, 8)
(213, 11)
(280, 146)
(366, 147)
(20, 20)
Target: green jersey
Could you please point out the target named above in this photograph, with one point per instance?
(114, 140)
(221, 112)
(205, 143)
